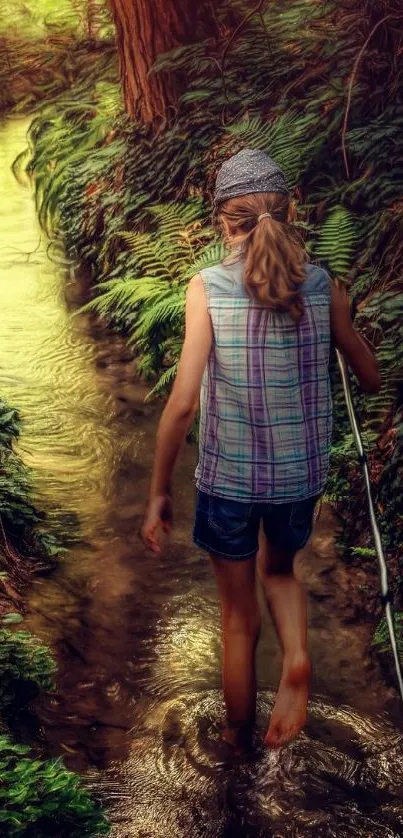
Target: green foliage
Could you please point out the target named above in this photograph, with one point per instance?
(26, 666)
(35, 20)
(39, 19)
(381, 638)
(10, 425)
(47, 48)
(150, 297)
(40, 798)
(75, 152)
(20, 519)
(337, 238)
(289, 139)
(363, 552)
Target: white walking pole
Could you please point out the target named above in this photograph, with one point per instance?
(386, 596)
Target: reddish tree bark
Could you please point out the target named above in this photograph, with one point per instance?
(145, 29)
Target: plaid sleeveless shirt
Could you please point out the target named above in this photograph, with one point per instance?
(265, 404)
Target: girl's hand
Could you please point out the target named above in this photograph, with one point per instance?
(355, 350)
(158, 516)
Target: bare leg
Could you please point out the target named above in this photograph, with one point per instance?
(286, 599)
(240, 627)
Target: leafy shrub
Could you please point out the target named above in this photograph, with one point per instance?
(381, 640)
(26, 666)
(21, 521)
(149, 297)
(41, 798)
(45, 51)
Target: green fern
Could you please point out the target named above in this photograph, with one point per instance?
(26, 666)
(164, 382)
(381, 639)
(336, 241)
(288, 139)
(207, 256)
(152, 301)
(23, 522)
(363, 552)
(41, 797)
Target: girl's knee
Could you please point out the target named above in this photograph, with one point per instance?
(276, 563)
(244, 621)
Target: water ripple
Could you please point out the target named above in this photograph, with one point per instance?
(180, 780)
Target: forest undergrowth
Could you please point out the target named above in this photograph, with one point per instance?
(38, 796)
(318, 86)
(45, 52)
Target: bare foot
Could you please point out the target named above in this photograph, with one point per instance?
(238, 738)
(290, 709)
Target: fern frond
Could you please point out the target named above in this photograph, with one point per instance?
(287, 139)
(164, 382)
(336, 241)
(208, 256)
(381, 639)
(164, 313)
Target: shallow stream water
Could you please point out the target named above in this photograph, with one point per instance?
(137, 637)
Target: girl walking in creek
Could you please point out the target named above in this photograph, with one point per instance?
(255, 360)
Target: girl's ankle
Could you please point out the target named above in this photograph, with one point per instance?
(297, 666)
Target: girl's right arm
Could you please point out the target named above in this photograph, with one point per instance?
(351, 345)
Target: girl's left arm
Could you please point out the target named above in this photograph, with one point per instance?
(179, 412)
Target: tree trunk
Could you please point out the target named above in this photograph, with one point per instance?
(145, 29)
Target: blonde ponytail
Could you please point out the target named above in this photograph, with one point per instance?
(274, 258)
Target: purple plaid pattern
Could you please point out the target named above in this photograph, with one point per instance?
(265, 405)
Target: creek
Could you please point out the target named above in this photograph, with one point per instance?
(137, 638)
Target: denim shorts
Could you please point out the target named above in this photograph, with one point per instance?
(230, 528)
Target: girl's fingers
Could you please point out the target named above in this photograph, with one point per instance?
(149, 530)
(152, 544)
(148, 535)
(154, 547)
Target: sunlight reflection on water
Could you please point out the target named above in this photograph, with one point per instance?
(177, 782)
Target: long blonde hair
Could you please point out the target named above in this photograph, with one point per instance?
(274, 257)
